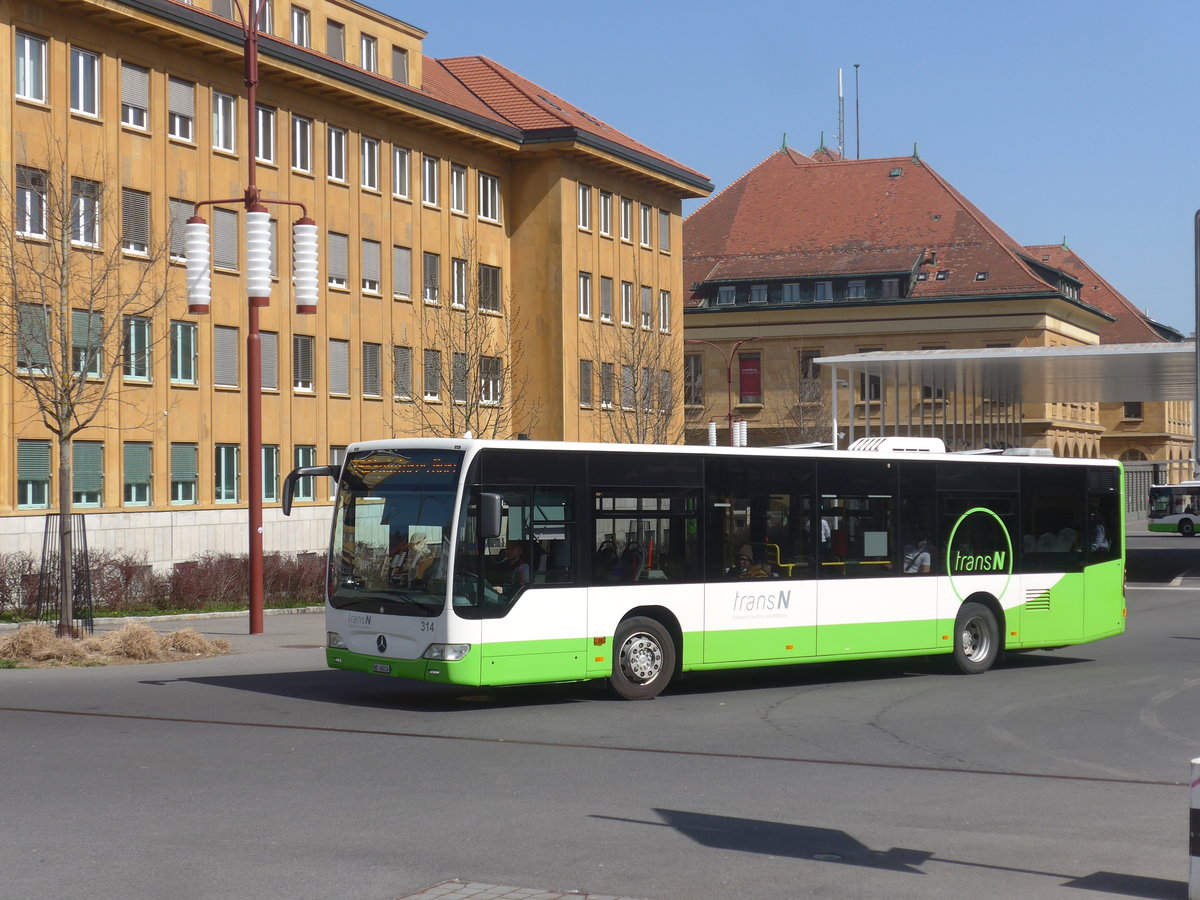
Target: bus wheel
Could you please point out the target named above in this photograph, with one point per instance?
(1186, 528)
(976, 638)
(643, 659)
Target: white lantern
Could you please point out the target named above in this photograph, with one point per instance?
(304, 265)
(199, 275)
(258, 255)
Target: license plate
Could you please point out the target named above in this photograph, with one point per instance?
(381, 668)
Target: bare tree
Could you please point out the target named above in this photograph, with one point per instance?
(806, 414)
(471, 349)
(76, 273)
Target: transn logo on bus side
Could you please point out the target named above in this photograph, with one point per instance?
(979, 562)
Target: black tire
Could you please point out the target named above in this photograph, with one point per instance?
(643, 659)
(976, 638)
(1187, 528)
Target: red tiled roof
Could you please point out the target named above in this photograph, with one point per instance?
(533, 108)
(795, 215)
(1131, 325)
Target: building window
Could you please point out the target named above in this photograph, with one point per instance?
(224, 128)
(179, 211)
(489, 287)
(370, 266)
(135, 221)
(181, 109)
(87, 343)
(491, 380)
(823, 291)
(749, 378)
(693, 379)
(431, 283)
(791, 292)
(401, 272)
(338, 250)
(400, 65)
(137, 348)
(664, 311)
(626, 303)
(268, 373)
(889, 288)
(647, 307)
(139, 467)
(85, 212)
(372, 371)
(458, 282)
(726, 295)
(183, 352)
(399, 172)
(184, 472)
(758, 293)
(606, 298)
(585, 206)
(606, 385)
(369, 52)
(664, 231)
(337, 456)
(856, 289)
(135, 96)
(489, 197)
(628, 387)
(458, 377)
(335, 39)
(370, 163)
(302, 144)
(225, 239)
(870, 386)
(429, 180)
(31, 67)
(626, 219)
(402, 373)
(302, 363)
(85, 82)
(225, 356)
(305, 455)
(646, 219)
(433, 375)
(265, 151)
(585, 382)
(942, 275)
(458, 188)
(339, 366)
(87, 475)
(33, 474)
(585, 295)
(31, 202)
(606, 209)
(266, 18)
(300, 27)
(336, 159)
(270, 473)
(1132, 410)
(33, 338)
(809, 370)
(227, 473)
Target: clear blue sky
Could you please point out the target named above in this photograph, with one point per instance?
(1057, 118)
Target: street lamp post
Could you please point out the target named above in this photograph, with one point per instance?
(728, 355)
(258, 289)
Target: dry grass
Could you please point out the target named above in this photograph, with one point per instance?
(39, 646)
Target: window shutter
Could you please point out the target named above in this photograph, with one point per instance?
(270, 360)
(181, 211)
(33, 460)
(225, 356)
(585, 382)
(302, 360)
(338, 258)
(433, 373)
(225, 239)
(402, 372)
(274, 248)
(433, 264)
(458, 377)
(87, 466)
(181, 97)
(339, 366)
(370, 261)
(401, 272)
(135, 86)
(87, 329)
(223, 8)
(138, 463)
(135, 216)
(370, 370)
(183, 462)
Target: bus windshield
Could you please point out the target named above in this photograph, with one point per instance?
(392, 531)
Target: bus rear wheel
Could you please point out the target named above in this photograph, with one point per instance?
(643, 659)
(976, 638)
(1186, 528)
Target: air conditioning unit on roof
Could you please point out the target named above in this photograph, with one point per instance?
(899, 444)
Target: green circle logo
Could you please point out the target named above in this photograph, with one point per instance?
(980, 546)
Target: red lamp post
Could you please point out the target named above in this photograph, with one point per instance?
(258, 289)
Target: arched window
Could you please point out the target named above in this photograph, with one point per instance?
(1133, 456)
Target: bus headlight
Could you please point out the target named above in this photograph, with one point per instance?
(448, 652)
(333, 639)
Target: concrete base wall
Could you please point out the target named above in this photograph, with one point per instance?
(168, 537)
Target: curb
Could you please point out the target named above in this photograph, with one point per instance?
(183, 617)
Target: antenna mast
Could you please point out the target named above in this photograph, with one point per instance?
(841, 117)
(857, 130)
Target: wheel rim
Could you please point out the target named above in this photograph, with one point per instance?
(976, 640)
(641, 658)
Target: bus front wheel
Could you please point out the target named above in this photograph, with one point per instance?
(1186, 528)
(976, 638)
(643, 659)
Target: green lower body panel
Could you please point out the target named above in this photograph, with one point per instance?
(1155, 526)
(464, 671)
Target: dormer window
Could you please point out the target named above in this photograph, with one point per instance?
(856, 289)
(895, 173)
(726, 295)
(758, 293)
(889, 288)
(823, 291)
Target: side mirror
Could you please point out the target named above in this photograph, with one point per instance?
(289, 483)
(489, 515)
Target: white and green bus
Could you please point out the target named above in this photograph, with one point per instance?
(1175, 508)
(475, 562)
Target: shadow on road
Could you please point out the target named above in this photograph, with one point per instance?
(1162, 565)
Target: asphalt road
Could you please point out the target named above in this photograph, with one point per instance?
(265, 775)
